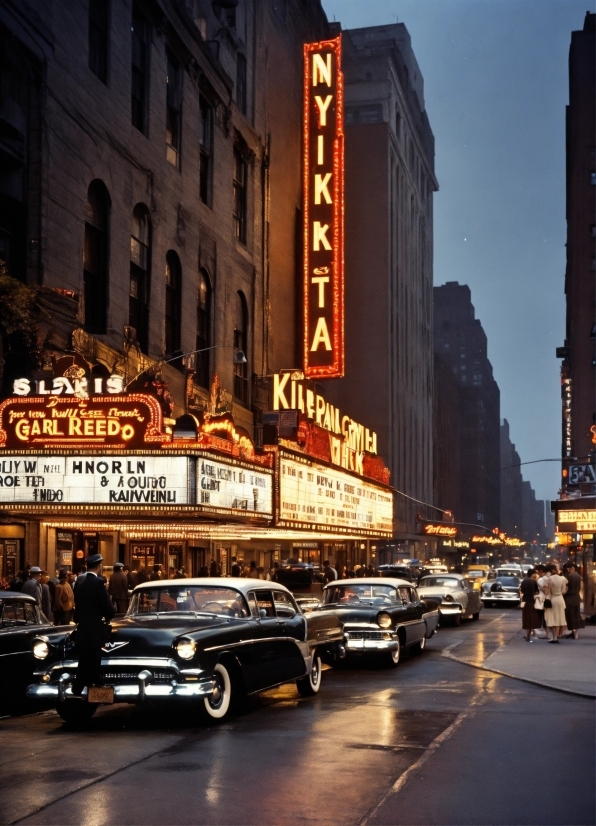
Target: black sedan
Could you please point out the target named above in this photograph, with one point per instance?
(381, 616)
(502, 591)
(197, 639)
(21, 621)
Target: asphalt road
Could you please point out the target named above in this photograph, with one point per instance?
(433, 741)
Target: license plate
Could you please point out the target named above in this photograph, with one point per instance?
(100, 694)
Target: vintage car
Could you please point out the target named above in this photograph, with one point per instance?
(295, 575)
(380, 616)
(454, 593)
(396, 572)
(196, 639)
(479, 574)
(20, 622)
(504, 590)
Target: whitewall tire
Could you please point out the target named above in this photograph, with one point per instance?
(310, 685)
(218, 705)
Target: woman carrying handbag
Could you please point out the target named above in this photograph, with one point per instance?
(529, 592)
(554, 613)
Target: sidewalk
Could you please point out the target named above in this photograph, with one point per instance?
(569, 666)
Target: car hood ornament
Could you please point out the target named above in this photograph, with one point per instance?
(112, 646)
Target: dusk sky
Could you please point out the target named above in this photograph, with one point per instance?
(496, 87)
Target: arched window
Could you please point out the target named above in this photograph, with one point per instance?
(140, 275)
(173, 302)
(95, 258)
(240, 347)
(202, 360)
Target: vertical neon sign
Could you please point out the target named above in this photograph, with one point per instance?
(323, 210)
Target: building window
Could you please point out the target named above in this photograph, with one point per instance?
(206, 150)
(593, 178)
(240, 346)
(95, 258)
(241, 82)
(240, 195)
(138, 300)
(202, 359)
(173, 112)
(173, 303)
(140, 54)
(398, 124)
(98, 38)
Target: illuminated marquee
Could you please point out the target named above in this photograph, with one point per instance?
(578, 521)
(317, 497)
(68, 421)
(232, 487)
(323, 208)
(440, 530)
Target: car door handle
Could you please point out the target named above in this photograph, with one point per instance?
(281, 622)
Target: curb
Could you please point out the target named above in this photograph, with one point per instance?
(517, 677)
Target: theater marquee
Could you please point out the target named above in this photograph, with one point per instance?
(323, 211)
(315, 497)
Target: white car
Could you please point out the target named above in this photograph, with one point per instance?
(455, 594)
(504, 590)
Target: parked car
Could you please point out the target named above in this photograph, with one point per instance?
(380, 616)
(397, 572)
(307, 602)
(456, 596)
(478, 574)
(200, 640)
(294, 574)
(504, 590)
(20, 622)
(427, 570)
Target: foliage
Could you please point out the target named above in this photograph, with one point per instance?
(20, 347)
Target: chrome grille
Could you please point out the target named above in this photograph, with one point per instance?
(131, 675)
(365, 635)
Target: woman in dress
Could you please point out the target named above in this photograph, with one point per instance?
(529, 591)
(555, 615)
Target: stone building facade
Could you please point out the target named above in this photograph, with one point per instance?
(390, 181)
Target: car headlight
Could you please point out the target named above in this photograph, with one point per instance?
(384, 620)
(186, 649)
(41, 649)
(448, 598)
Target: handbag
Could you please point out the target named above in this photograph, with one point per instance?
(522, 604)
(538, 604)
(548, 603)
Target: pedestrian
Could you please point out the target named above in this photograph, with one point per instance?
(329, 573)
(214, 568)
(93, 611)
(131, 576)
(530, 617)
(46, 597)
(180, 573)
(554, 605)
(542, 583)
(235, 569)
(253, 572)
(274, 572)
(17, 583)
(63, 600)
(142, 575)
(80, 577)
(261, 573)
(156, 575)
(72, 578)
(32, 585)
(573, 602)
(118, 588)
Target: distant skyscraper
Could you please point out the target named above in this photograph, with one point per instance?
(460, 342)
(511, 519)
(390, 181)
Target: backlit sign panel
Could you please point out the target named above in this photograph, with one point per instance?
(315, 497)
(110, 480)
(222, 486)
(323, 210)
(577, 521)
(440, 530)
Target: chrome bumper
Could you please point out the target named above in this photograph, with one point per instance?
(450, 609)
(365, 643)
(500, 597)
(126, 693)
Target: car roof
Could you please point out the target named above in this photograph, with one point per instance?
(244, 585)
(370, 580)
(16, 595)
(445, 573)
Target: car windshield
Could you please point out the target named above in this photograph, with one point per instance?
(184, 599)
(439, 582)
(368, 594)
(476, 574)
(508, 580)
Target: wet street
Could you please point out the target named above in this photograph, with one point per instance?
(434, 741)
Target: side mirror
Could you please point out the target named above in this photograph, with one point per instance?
(262, 613)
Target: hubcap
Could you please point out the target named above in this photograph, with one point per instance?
(395, 655)
(315, 672)
(217, 696)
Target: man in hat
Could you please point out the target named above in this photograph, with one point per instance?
(118, 588)
(93, 611)
(32, 585)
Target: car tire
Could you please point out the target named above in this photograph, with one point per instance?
(476, 616)
(393, 657)
(455, 621)
(310, 685)
(419, 647)
(219, 705)
(76, 711)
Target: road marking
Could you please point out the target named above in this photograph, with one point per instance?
(403, 778)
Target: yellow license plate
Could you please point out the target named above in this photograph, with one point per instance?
(100, 694)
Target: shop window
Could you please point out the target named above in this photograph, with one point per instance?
(99, 14)
(140, 255)
(206, 150)
(240, 347)
(173, 111)
(241, 82)
(240, 177)
(173, 302)
(202, 359)
(140, 41)
(95, 258)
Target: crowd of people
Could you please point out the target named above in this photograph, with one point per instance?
(550, 600)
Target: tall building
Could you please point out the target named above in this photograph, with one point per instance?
(460, 341)
(511, 520)
(389, 186)
(578, 369)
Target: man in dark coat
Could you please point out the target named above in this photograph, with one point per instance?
(573, 601)
(93, 610)
(118, 588)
